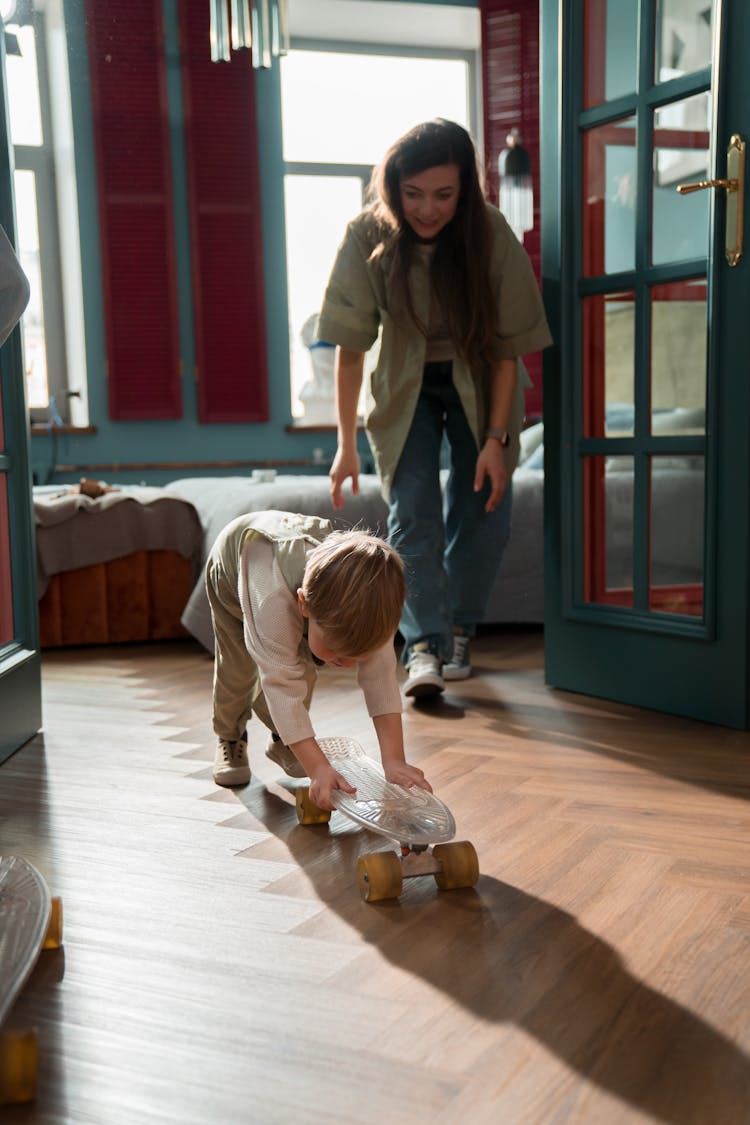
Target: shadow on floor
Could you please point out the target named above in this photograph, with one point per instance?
(510, 957)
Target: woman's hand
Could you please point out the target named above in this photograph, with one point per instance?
(491, 465)
(345, 464)
(325, 780)
(401, 773)
(349, 371)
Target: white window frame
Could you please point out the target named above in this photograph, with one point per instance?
(53, 167)
(364, 171)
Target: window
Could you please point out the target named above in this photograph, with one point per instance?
(30, 82)
(341, 109)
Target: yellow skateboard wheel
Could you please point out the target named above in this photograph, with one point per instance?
(19, 1063)
(379, 876)
(459, 865)
(53, 937)
(307, 812)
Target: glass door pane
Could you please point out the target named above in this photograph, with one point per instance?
(676, 571)
(684, 30)
(610, 39)
(609, 197)
(681, 154)
(679, 381)
(609, 364)
(608, 537)
(679, 358)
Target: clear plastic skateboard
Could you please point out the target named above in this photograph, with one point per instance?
(416, 820)
(30, 921)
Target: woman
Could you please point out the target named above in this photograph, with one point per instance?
(438, 272)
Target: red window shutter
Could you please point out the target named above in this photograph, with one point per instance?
(510, 80)
(131, 136)
(221, 144)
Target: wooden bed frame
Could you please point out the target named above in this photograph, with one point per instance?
(139, 597)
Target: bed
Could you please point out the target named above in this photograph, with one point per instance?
(129, 565)
(518, 594)
(114, 567)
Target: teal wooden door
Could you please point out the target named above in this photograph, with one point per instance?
(647, 394)
(20, 675)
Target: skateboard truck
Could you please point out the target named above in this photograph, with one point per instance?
(381, 875)
(417, 859)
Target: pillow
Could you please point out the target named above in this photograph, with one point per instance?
(532, 441)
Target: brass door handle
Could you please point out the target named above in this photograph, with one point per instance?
(734, 185)
(699, 185)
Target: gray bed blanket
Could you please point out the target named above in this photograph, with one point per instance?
(73, 530)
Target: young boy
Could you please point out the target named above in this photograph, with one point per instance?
(286, 592)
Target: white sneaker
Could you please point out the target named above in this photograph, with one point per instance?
(459, 665)
(424, 674)
(280, 753)
(231, 766)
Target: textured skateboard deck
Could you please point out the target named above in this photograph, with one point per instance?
(407, 815)
(30, 921)
(25, 908)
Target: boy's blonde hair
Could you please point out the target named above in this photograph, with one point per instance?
(354, 588)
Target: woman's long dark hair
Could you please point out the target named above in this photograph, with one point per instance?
(460, 265)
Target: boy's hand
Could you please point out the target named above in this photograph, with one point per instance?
(391, 740)
(322, 784)
(401, 773)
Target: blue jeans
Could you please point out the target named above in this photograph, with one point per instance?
(451, 547)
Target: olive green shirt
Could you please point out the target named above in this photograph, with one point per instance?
(359, 304)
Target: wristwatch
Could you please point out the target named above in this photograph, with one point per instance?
(500, 435)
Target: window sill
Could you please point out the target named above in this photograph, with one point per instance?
(44, 429)
(300, 426)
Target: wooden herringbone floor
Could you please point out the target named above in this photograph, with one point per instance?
(219, 965)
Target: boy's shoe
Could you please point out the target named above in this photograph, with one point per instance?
(231, 766)
(459, 665)
(280, 753)
(424, 673)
